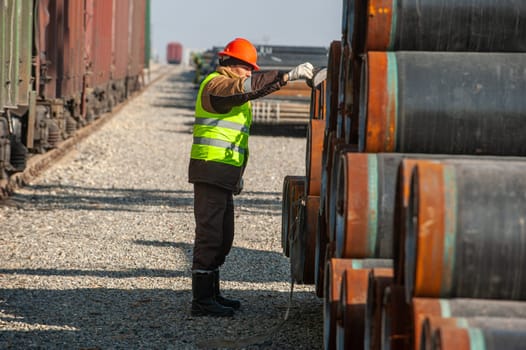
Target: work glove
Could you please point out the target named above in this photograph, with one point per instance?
(302, 71)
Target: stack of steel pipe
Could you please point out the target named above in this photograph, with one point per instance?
(301, 195)
(422, 158)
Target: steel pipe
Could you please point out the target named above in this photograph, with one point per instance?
(478, 338)
(334, 270)
(461, 308)
(458, 243)
(315, 133)
(446, 25)
(433, 323)
(449, 103)
(351, 309)
(365, 204)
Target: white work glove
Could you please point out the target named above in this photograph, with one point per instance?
(303, 71)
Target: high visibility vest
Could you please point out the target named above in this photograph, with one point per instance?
(221, 138)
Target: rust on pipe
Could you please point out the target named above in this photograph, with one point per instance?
(402, 202)
(433, 259)
(356, 214)
(323, 103)
(510, 335)
(365, 199)
(423, 336)
(333, 279)
(432, 323)
(380, 102)
(351, 309)
(423, 331)
(379, 24)
(334, 270)
(314, 154)
(467, 308)
(451, 338)
(314, 104)
(422, 308)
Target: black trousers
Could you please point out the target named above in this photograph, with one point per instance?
(214, 226)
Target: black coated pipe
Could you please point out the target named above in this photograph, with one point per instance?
(446, 25)
(450, 103)
(467, 237)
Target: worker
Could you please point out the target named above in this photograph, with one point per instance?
(218, 159)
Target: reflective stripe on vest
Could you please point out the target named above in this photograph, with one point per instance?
(221, 123)
(218, 143)
(221, 138)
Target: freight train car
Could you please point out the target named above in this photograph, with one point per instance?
(174, 53)
(66, 63)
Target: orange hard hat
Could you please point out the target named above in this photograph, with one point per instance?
(243, 50)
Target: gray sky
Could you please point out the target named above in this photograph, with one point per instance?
(202, 24)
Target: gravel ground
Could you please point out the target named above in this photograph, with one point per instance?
(96, 252)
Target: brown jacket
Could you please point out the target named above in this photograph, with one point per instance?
(219, 96)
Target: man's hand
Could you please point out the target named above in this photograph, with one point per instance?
(302, 71)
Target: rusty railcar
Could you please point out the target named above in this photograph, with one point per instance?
(17, 94)
(137, 45)
(120, 49)
(60, 31)
(66, 63)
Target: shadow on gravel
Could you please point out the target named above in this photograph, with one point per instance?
(181, 92)
(51, 197)
(185, 101)
(106, 318)
(184, 76)
(48, 197)
(131, 273)
(251, 260)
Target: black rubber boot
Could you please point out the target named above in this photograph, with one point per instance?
(234, 304)
(204, 303)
